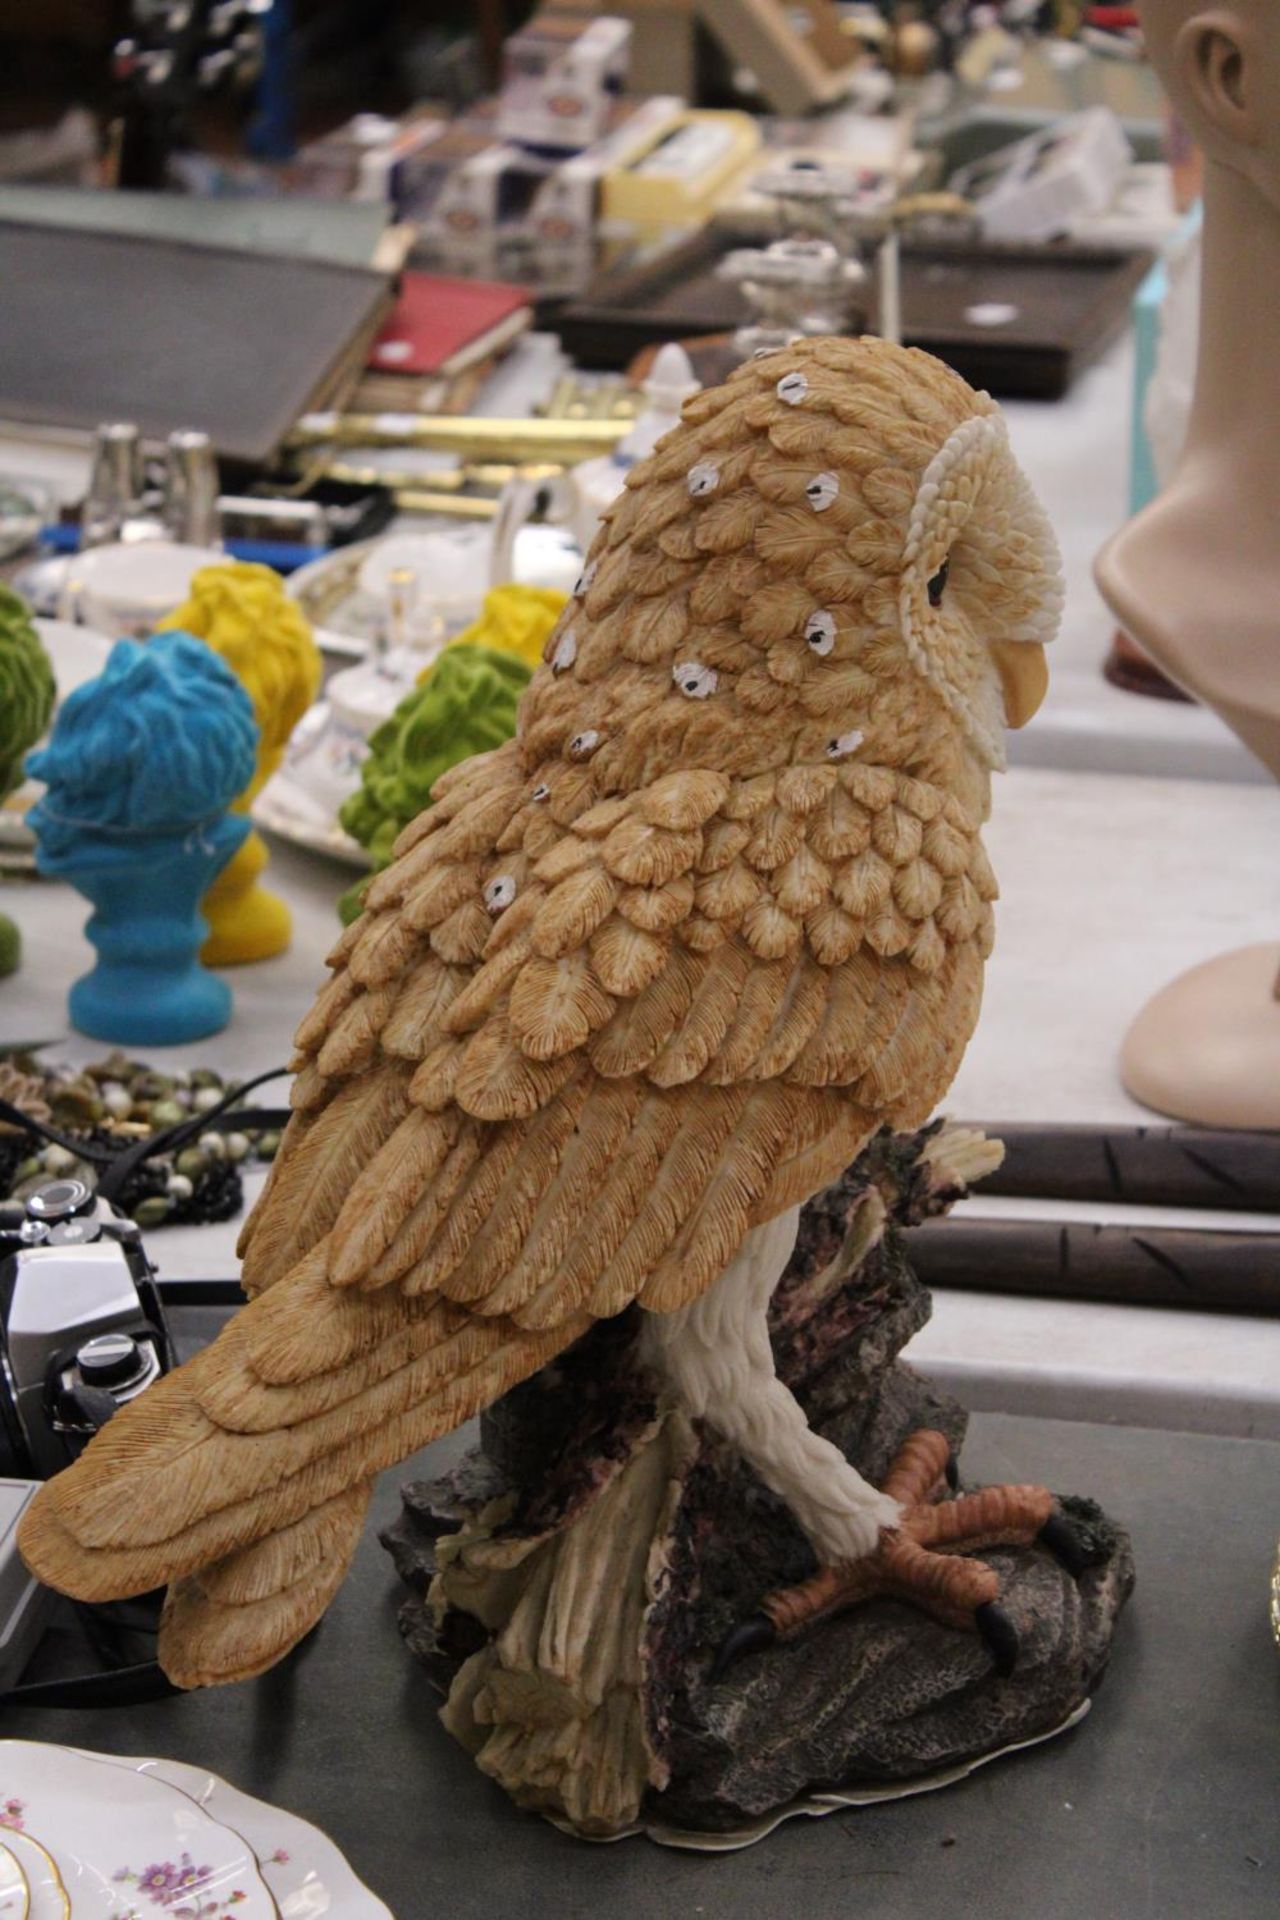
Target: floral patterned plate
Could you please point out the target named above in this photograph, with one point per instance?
(46, 1896)
(307, 1875)
(126, 1846)
(15, 1894)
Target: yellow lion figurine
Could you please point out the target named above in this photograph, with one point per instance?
(243, 612)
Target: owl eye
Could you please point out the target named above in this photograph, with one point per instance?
(499, 893)
(938, 585)
(792, 388)
(695, 681)
(566, 652)
(703, 479)
(583, 745)
(821, 491)
(820, 632)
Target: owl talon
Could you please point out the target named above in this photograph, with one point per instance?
(1000, 1635)
(752, 1635)
(928, 1560)
(1064, 1543)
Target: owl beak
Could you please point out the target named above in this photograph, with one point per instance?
(1024, 678)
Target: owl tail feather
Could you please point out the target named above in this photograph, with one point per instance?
(240, 1480)
(237, 1617)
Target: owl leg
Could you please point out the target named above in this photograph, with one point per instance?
(905, 1540)
(717, 1361)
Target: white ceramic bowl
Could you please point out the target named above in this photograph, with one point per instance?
(126, 589)
(76, 653)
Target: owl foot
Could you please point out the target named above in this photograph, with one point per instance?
(924, 1560)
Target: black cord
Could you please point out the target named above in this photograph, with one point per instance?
(174, 1138)
(117, 1687)
(83, 1149)
(119, 1163)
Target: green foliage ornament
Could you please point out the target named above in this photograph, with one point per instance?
(464, 704)
(27, 694)
(27, 690)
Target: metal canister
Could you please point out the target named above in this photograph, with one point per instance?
(190, 509)
(115, 483)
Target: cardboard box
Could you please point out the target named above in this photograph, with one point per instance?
(684, 171)
(567, 205)
(561, 75)
(363, 159)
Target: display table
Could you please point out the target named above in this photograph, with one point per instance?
(1112, 884)
(1161, 1806)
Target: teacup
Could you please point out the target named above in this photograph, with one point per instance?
(328, 747)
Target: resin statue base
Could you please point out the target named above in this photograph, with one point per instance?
(1207, 1047)
(574, 1578)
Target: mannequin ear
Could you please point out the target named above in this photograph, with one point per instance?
(1213, 60)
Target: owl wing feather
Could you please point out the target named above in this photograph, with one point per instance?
(761, 963)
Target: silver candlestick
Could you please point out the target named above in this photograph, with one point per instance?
(795, 287)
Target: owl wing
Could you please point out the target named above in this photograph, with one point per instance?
(564, 1063)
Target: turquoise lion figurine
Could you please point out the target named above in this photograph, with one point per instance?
(140, 770)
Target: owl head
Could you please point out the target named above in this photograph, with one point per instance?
(834, 554)
(980, 589)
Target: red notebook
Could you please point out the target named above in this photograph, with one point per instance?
(442, 325)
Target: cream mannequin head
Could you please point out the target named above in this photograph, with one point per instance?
(1221, 67)
(1192, 577)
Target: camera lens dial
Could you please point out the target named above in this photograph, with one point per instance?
(59, 1200)
(109, 1360)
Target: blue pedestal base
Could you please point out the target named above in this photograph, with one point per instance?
(149, 988)
(162, 1012)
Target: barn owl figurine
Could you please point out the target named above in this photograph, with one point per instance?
(634, 987)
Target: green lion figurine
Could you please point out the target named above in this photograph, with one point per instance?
(464, 704)
(27, 694)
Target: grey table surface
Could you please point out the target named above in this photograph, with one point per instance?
(1162, 1805)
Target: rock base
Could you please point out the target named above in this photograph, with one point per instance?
(572, 1580)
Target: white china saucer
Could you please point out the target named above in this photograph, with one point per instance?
(46, 1894)
(290, 812)
(121, 1842)
(305, 1872)
(15, 1894)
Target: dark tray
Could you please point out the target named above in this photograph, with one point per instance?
(1070, 302)
(112, 326)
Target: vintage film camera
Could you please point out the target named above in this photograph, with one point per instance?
(81, 1326)
(81, 1332)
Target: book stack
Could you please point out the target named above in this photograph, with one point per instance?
(440, 341)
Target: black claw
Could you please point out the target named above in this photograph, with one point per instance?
(1000, 1634)
(952, 1471)
(1064, 1543)
(751, 1636)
